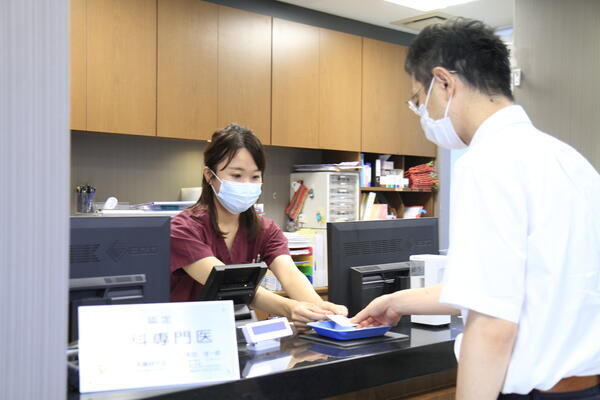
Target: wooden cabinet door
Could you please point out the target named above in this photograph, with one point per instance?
(382, 99)
(295, 85)
(77, 71)
(388, 125)
(245, 71)
(413, 140)
(187, 69)
(340, 74)
(121, 66)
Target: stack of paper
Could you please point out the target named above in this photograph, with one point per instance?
(343, 166)
(297, 240)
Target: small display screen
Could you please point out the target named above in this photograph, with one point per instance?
(267, 328)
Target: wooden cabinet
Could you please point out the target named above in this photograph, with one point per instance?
(295, 85)
(187, 69)
(244, 76)
(340, 74)
(316, 87)
(381, 97)
(121, 66)
(77, 65)
(214, 68)
(388, 126)
(413, 140)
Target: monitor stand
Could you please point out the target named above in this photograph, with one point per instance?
(243, 314)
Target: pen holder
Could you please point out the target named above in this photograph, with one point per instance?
(85, 201)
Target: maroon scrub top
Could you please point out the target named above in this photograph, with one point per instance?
(193, 239)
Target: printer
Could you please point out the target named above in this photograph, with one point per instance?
(427, 270)
(371, 281)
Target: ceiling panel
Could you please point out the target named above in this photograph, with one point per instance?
(497, 13)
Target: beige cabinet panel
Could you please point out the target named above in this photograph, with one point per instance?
(121, 66)
(340, 76)
(245, 71)
(382, 65)
(187, 69)
(413, 140)
(77, 64)
(295, 119)
(388, 125)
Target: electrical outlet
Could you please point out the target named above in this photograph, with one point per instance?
(516, 77)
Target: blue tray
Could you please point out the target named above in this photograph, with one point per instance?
(334, 331)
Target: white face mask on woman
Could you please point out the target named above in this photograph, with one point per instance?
(237, 197)
(440, 131)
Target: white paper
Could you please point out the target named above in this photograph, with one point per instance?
(155, 345)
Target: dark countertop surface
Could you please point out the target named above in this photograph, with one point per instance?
(303, 369)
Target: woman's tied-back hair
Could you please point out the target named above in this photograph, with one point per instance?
(223, 146)
(468, 47)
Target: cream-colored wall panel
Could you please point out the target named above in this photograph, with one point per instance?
(557, 49)
(34, 224)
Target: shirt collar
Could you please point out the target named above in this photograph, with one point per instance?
(513, 114)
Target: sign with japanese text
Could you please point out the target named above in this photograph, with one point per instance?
(156, 345)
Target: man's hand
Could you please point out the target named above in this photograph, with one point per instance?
(380, 311)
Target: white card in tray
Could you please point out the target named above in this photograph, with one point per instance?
(342, 321)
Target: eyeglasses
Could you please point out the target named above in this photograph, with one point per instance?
(413, 102)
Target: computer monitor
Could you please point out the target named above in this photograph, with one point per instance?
(237, 282)
(117, 260)
(361, 243)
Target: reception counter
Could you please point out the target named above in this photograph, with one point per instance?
(305, 369)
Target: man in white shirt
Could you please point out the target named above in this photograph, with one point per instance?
(524, 256)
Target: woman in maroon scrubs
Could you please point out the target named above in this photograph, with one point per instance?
(222, 228)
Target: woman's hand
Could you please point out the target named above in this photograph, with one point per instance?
(302, 312)
(332, 308)
(381, 311)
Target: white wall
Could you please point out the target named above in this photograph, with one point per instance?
(138, 169)
(34, 162)
(558, 49)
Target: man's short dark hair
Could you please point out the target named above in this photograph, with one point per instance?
(466, 46)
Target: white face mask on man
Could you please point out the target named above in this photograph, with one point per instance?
(440, 131)
(237, 197)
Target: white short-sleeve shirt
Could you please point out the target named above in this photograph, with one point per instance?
(525, 247)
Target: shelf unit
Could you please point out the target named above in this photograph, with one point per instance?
(396, 198)
(383, 189)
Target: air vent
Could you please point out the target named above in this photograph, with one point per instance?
(377, 247)
(421, 21)
(83, 253)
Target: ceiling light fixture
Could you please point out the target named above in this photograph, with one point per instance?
(428, 5)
